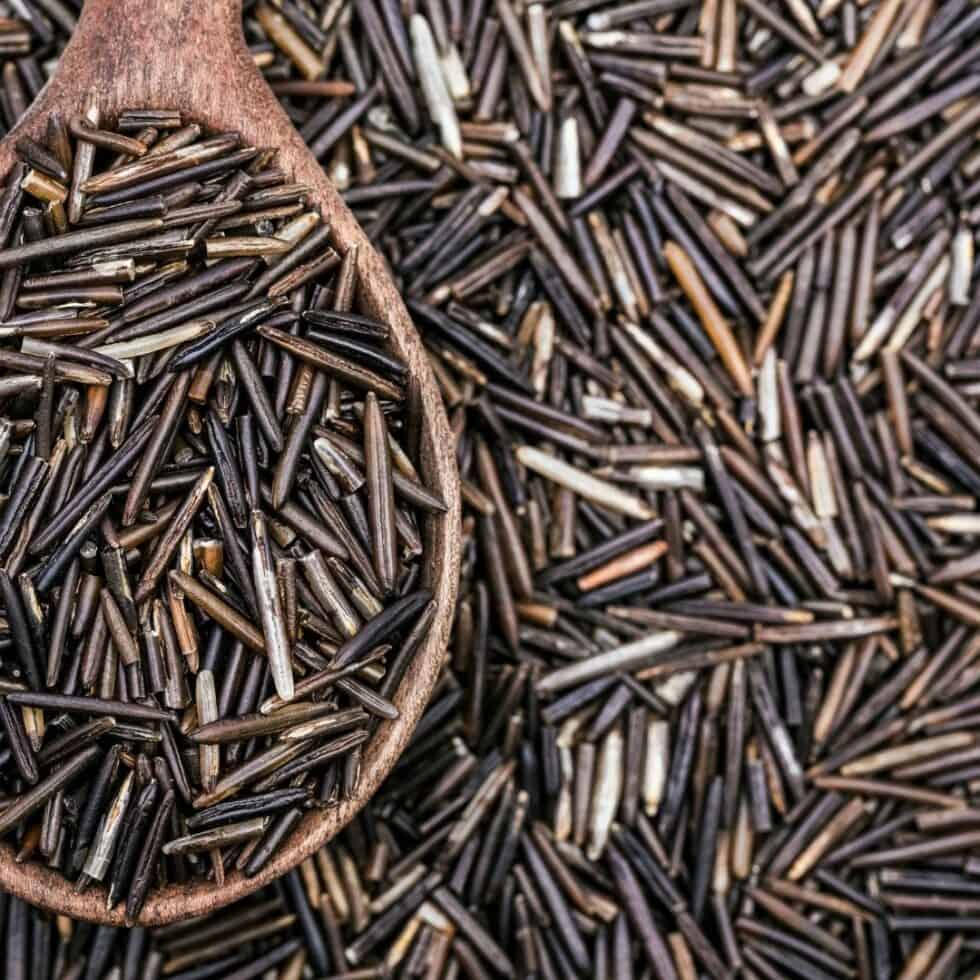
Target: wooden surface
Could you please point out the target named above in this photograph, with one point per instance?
(190, 55)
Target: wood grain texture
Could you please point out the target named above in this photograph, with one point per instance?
(190, 55)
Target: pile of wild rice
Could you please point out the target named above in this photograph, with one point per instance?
(698, 284)
(699, 287)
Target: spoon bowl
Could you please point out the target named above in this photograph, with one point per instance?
(192, 57)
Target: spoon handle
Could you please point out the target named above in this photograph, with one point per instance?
(174, 54)
(170, 54)
(155, 47)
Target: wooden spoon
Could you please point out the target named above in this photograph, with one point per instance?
(191, 56)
